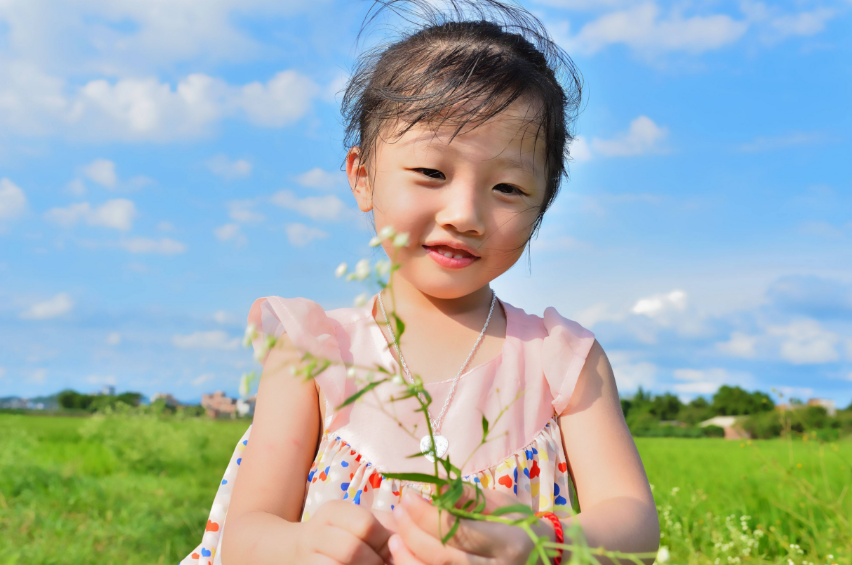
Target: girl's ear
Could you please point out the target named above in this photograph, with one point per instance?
(359, 181)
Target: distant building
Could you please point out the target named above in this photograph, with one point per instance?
(218, 404)
(729, 424)
(170, 400)
(829, 405)
(108, 390)
(246, 407)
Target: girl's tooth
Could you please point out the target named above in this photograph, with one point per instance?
(457, 256)
(446, 254)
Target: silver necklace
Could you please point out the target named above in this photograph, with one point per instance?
(441, 442)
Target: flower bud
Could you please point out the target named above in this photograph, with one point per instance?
(361, 299)
(362, 269)
(341, 270)
(250, 335)
(401, 240)
(386, 232)
(375, 241)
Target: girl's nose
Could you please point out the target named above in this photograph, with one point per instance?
(461, 209)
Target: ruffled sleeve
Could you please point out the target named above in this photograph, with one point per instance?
(564, 353)
(310, 330)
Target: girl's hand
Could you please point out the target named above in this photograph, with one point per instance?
(418, 541)
(343, 533)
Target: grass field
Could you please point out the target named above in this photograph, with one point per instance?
(137, 491)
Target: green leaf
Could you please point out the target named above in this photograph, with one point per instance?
(484, 426)
(400, 326)
(417, 477)
(519, 508)
(454, 493)
(360, 393)
(453, 529)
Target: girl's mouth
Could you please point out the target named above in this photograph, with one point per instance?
(450, 257)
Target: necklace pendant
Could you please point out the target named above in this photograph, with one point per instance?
(441, 446)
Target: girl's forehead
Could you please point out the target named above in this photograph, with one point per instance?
(512, 130)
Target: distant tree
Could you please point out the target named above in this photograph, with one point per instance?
(734, 401)
(131, 398)
(699, 402)
(665, 406)
(73, 400)
(625, 406)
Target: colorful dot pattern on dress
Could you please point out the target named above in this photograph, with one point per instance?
(537, 475)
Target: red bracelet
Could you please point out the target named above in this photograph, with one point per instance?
(557, 525)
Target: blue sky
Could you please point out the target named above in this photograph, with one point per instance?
(163, 164)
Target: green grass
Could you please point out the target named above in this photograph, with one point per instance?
(138, 490)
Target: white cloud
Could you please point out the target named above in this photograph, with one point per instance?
(230, 232)
(328, 207)
(117, 214)
(776, 26)
(101, 380)
(643, 137)
(222, 317)
(164, 246)
(2, 372)
(165, 226)
(115, 37)
(629, 374)
(241, 211)
(102, 172)
(76, 187)
(707, 381)
(740, 345)
(145, 109)
(806, 342)
(782, 141)
(300, 235)
(586, 4)
(282, 100)
(221, 166)
(580, 151)
(12, 199)
(596, 313)
(38, 376)
(643, 29)
(206, 340)
(800, 392)
(660, 303)
(319, 178)
(114, 338)
(201, 379)
(52, 308)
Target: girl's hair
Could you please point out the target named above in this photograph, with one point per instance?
(464, 62)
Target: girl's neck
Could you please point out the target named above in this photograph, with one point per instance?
(412, 304)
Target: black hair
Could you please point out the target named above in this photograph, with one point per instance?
(464, 62)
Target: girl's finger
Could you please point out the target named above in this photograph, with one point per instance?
(473, 536)
(345, 548)
(362, 524)
(493, 499)
(428, 548)
(401, 554)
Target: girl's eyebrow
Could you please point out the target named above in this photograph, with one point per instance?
(525, 164)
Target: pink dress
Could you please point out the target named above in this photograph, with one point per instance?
(534, 375)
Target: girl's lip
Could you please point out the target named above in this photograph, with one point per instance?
(449, 262)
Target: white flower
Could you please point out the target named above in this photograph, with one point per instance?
(261, 351)
(341, 270)
(401, 240)
(350, 372)
(383, 268)
(245, 384)
(361, 299)
(663, 554)
(375, 241)
(397, 380)
(250, 335)
(362, 269)
(386, 232)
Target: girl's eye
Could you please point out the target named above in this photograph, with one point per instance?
(508, 189)
(431, 173)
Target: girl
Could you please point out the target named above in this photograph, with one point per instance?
(456, 135)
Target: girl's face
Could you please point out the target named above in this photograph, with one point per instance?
(468, 205)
